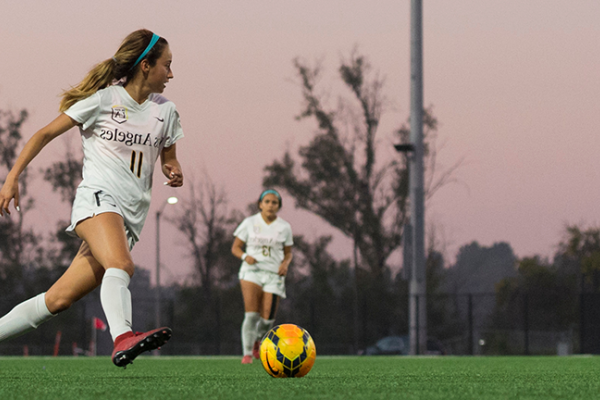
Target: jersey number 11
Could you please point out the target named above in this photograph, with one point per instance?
(132, 165)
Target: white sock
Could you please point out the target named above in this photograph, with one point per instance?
(116, 301)
(263, 326)
(25, 317)
(249, 331)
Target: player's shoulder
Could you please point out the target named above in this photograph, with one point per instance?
(283, 222)
(109, 95)
(248, 221)
(254, 218)
(110, 91)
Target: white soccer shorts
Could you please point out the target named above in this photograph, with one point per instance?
(89, 202)
(269, 281)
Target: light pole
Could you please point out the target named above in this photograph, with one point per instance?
(170, 200)
(418, 309)
(414, 244)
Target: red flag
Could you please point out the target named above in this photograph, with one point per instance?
(99, 324)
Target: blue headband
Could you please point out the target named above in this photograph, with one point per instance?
(266, 192)
(153, 41)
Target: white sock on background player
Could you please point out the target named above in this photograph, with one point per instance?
(249, 331)
(116, 301)
(263, 326)
(25, 317)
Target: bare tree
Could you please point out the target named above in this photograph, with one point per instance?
(204, 223)
(65, 176)
(17, 243)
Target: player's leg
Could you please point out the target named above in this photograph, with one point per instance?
(83, 275)
(252, 294)
(24, 317)
(107, 240)
(270, 304)
(274, 289)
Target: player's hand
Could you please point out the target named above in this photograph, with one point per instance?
(283, 269)
(250, 260)
(9, 191)
(174, 175)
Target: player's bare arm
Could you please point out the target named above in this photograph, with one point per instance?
(171, 167)
(10, 189)
(287, 259)
(238, 250)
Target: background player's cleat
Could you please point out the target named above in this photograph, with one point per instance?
(129, 345)
(256, 350)
(247, 360)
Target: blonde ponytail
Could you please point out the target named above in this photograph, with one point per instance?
(98, 78)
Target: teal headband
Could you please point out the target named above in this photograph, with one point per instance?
(153, 41)
(266, 192)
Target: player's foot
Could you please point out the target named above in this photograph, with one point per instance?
(247, 360)
(129, 345)
(256, 350)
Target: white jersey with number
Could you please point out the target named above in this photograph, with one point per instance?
(122, 140)
(264, 242)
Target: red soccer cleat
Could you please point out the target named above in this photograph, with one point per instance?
(256, 350)
(129, 345)
(247, 360)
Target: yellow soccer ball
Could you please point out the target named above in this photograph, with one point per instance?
(287, 351)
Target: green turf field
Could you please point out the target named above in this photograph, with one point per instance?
(331, 378)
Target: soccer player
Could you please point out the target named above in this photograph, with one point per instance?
(125, 124)
(265, 261)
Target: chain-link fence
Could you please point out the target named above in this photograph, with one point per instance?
(463, 324)
(525, 325)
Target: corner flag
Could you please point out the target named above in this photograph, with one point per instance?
(99, 324)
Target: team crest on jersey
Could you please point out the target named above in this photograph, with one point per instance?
(119, 114)
(256, 228)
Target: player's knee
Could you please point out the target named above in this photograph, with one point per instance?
(57, 303)
(125, 265)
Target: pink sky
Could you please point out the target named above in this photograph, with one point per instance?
(515, 86)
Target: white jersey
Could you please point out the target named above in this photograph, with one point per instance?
(264, 242)
(121, 141)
